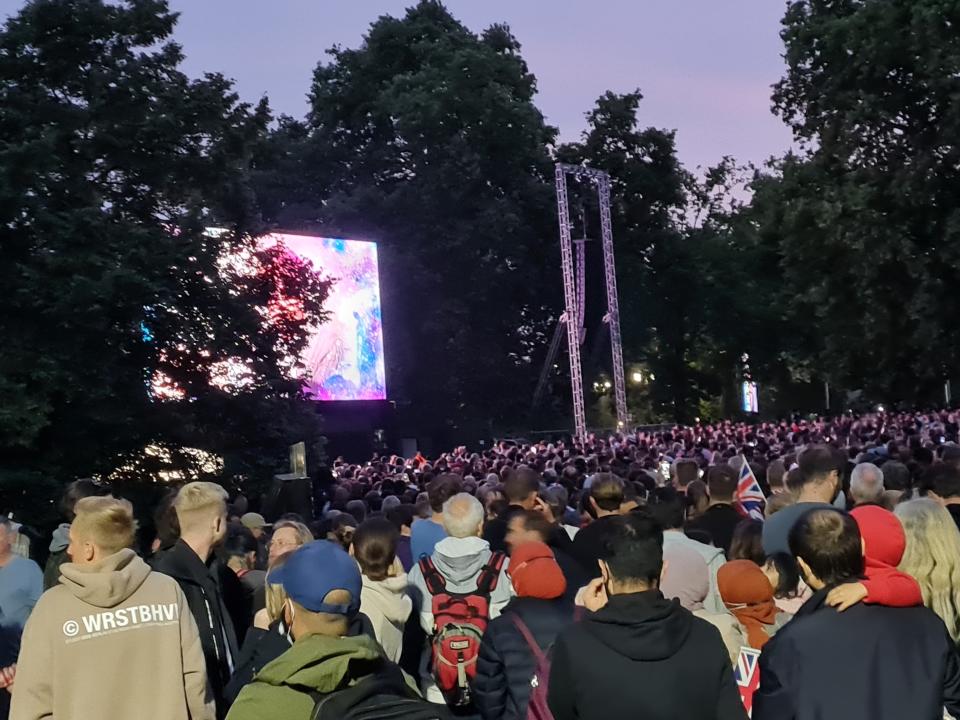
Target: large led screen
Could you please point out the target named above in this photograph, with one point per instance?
(344, 356)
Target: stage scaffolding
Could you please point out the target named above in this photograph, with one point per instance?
(574, 295)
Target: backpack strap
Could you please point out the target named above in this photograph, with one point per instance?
(386, 681)
(538, 654)
(431, 576)
(490, 573)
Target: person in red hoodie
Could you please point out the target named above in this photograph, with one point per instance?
(883, 544)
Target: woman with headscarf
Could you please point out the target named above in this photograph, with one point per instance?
(748, 594)
(686, 578)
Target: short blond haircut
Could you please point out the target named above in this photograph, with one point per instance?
(198, 502)
(106, 522)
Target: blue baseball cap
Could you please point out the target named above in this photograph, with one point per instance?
(316, 569)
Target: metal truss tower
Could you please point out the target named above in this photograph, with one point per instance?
(574, 292)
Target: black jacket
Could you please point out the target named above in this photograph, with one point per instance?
(719, 521)
(573, 572)
(867, 663)
(506, 665)
(588, 545)
(495, 531)
(203, 587)
(954, 511)
(260, 648)
(642, 656)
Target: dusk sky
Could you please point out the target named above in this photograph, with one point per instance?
(704, 67)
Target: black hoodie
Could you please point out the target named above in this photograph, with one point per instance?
(642, 656)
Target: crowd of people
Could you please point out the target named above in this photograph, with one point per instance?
(618, 577)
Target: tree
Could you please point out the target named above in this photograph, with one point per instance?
(426, 139)
(868, 231)
(112, 164)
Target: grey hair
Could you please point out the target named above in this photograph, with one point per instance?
(304, 535)
(462, 516)
(866, 483)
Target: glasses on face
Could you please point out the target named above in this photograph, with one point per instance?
(284, 544)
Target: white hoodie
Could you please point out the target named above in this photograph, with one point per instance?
(388, 606)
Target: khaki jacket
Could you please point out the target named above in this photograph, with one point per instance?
(112, 640)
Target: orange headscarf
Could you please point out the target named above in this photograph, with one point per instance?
(749, 596)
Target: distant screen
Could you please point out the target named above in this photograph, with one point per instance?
(344, 358)
(751, 403)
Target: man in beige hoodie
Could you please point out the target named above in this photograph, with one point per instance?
(113, 639)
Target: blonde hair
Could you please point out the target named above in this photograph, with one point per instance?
(932, 556)
(197, 502)
(276, 596)
(106, 522)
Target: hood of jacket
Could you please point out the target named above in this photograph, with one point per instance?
(460, 560)
(61, 538)
(106, 583)
(883, 536)
(641, 626)
(389, 597)
(321, 663)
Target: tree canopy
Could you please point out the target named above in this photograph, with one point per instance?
(126, 323)
(112, 164)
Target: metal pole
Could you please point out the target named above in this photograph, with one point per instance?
(613, 303)
(572, 313)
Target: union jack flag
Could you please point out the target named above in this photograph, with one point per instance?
(749, 498)
(747, 673)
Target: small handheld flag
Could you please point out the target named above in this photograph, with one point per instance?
(747, 674)
(749, 498)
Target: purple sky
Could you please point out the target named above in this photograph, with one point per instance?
(705, 67)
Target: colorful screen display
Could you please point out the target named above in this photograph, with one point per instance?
(344, 359)
(751, 400)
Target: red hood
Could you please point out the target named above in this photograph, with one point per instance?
(882, 534)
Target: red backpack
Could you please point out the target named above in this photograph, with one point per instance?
(459, 622)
